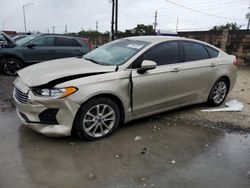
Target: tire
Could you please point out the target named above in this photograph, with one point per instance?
(218, 92)
(10, 66)
(90, 125)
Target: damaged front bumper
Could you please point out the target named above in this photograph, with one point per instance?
(51, 117)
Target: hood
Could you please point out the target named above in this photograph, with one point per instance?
(9, 39)
(60, 70)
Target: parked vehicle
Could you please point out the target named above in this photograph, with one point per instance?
(121, 81)
(37, 48)
(18, 37)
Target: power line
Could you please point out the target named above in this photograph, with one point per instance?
(200, 12)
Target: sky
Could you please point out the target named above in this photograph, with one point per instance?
(42, 15)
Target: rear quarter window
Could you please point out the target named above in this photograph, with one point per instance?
(194, 51)
(212, 52)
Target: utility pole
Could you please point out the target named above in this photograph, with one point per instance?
(3, 23)
(116, 19)
(155, 23)
(66, 29)
(177, 24)
(48, 30)
(112, 20)
(24, 17)
(53, 27)
(96, 26)
(248, 18)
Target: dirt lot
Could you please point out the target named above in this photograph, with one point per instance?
(182, 148)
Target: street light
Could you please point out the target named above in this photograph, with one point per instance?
(24, 19)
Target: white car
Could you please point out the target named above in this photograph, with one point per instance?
(121, 81)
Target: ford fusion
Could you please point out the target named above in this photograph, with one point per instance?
(121, 81)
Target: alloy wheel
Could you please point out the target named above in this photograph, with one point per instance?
(10, 67)
(220, 92)
(99, 120)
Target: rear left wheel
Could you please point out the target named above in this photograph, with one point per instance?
(97, 118)
(218, 92)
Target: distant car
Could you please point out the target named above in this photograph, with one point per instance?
(19, 37)
(121, 81)
(37, 48)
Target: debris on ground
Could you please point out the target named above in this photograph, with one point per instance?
(91, 175)
(117, 156)
(232, 106)
(144, 150)
(71, 143)
(206, 145)
(219, 154)
(137, 138)
(172, 162)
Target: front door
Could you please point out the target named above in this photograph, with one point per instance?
(43, 49)
(162, 87)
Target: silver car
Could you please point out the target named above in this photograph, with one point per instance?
(121, 81)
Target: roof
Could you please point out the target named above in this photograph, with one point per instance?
(156, 39)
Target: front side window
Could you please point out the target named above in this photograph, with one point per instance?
(117, 52)
(25, 40)
(163, 54)
(194, 51)
(44, 42)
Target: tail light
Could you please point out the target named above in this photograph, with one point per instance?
(235, 61)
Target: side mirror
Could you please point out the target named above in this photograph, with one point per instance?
(146, 65)
(30, 45)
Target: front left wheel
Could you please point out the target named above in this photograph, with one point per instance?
(10, 66)
(97, 118)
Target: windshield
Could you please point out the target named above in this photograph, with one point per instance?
(117, 52)
(25, 40)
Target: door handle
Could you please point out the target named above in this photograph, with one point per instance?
(176, 70)
(212, 65)
(50, 50)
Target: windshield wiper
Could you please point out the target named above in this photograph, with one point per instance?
(94, 61)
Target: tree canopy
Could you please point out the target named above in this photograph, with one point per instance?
(230, 26)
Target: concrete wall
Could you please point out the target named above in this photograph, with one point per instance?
(233, 42)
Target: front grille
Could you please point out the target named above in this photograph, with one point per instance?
(20, 96)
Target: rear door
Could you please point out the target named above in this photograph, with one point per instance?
(199, 70)
(42, 50)
(160, 88)
(67, 47)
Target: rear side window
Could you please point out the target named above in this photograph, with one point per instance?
(60, 41)
(212, 52)
(194, 51)
(163, 54)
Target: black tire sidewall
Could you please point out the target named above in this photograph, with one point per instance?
(80, 132)
(10, 59)
(211, 101)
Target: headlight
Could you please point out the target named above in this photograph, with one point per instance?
(55, 92)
